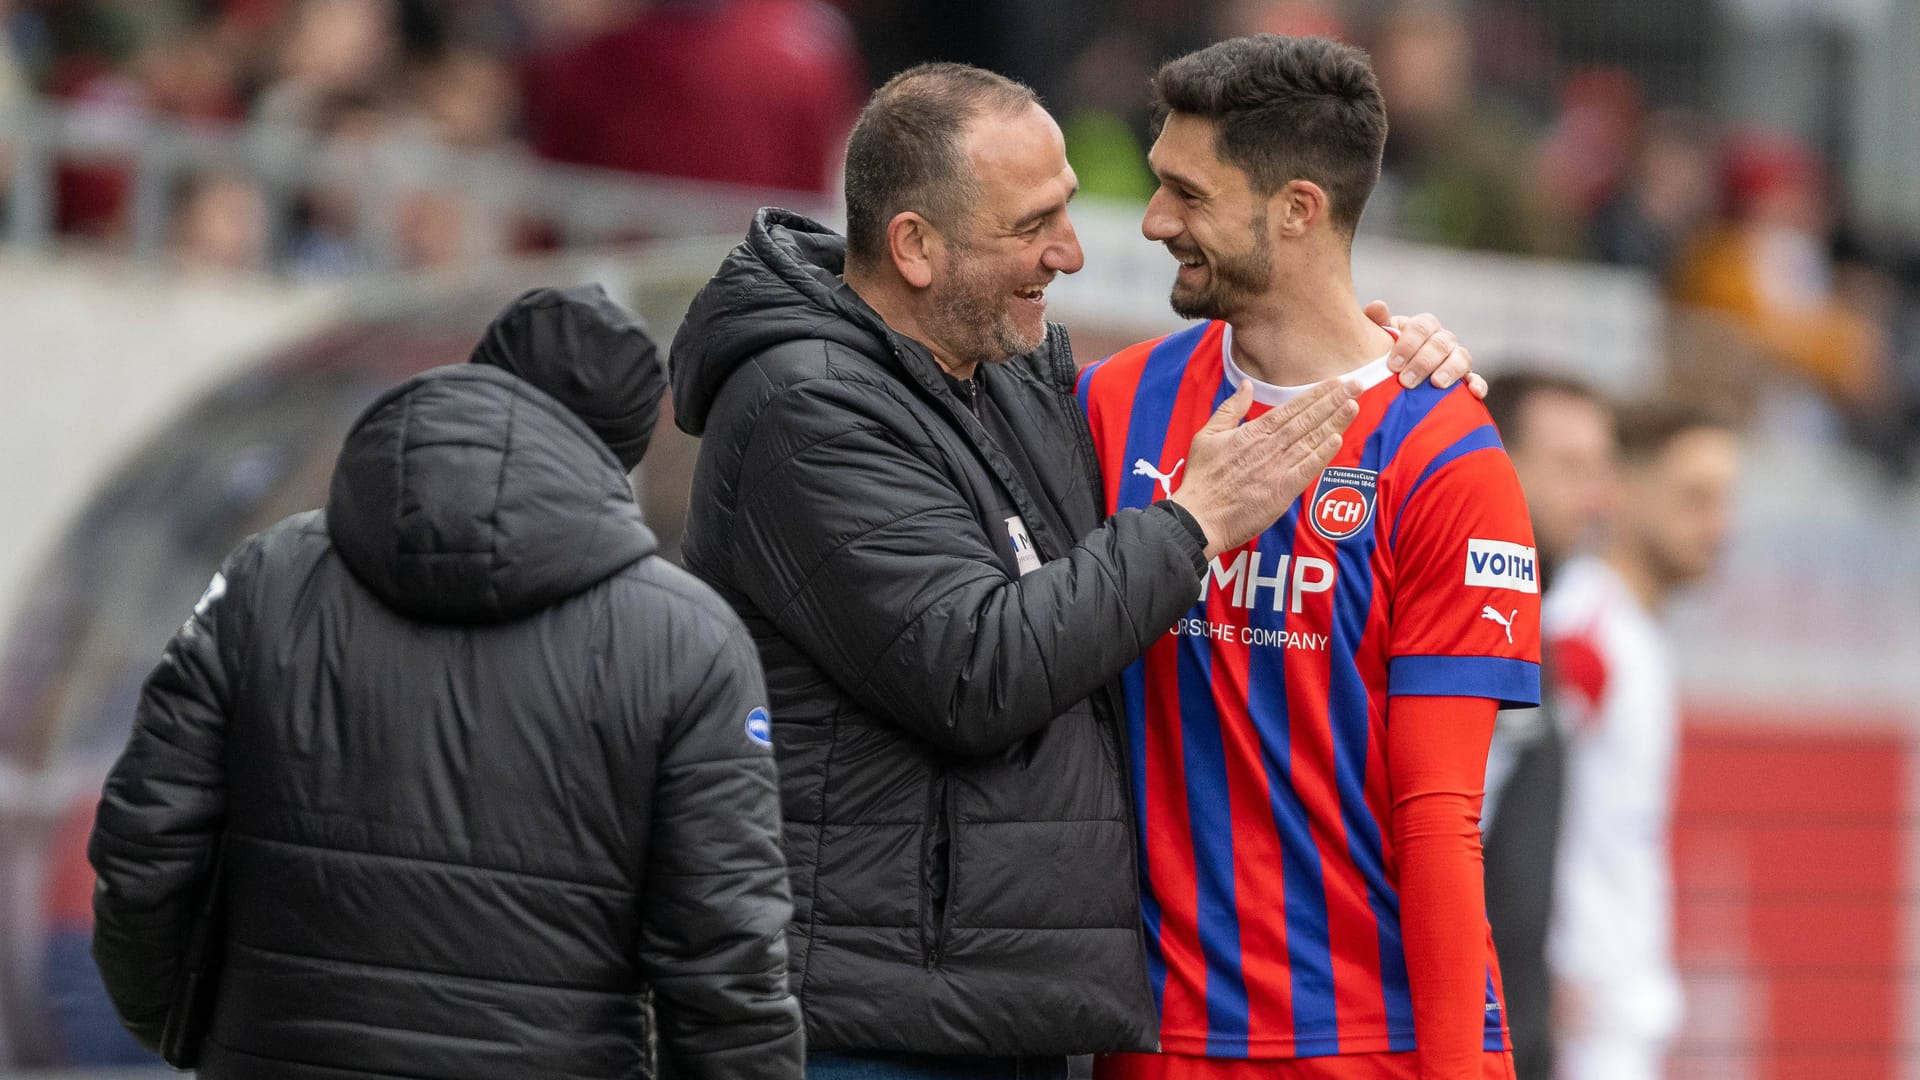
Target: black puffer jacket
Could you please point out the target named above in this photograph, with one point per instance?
(957, 817)
(487, 770)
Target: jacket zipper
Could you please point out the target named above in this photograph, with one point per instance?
(937, 848)
(994, 457)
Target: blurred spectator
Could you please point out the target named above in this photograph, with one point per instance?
(1617, 995)
(194, 74)
(463, 98)
(1584, 156)
(172, 67)
(1768, 264)
(331, 47)
(758, 92)
(1456, 169)
(431, 227)
(1669, 196)
(323, 241)
(466, 99)
(470, 98)
(220, 223)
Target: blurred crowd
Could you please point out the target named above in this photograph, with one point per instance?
(1499, 142)
(667, 89)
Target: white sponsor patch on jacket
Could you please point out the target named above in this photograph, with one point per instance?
(1027, 559)
(1496, 564)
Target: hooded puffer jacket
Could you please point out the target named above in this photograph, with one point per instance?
(942, 639)
(486, 772)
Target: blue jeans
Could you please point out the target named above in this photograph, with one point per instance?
(834, 1066)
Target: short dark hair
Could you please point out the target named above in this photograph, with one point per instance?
(1508, 396)
(1648, 428)
(907, 150)
(1288, 108)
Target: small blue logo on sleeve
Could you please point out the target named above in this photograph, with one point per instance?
(760, 727)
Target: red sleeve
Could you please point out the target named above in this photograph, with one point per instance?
(1436, 769)
(1466, 616)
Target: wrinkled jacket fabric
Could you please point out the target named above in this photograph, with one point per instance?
(957, 817)
(483, 767)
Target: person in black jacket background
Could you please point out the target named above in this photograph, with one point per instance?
(486, 770)
(897, 492)
(1560, 434)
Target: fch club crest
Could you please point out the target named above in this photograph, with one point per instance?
(1343, 502)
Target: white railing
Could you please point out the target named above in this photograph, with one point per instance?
(500, 189)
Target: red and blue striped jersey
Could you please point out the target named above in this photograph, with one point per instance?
(1258, 723)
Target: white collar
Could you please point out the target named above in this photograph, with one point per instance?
(1365, 377)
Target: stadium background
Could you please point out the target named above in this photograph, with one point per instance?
(229, 223)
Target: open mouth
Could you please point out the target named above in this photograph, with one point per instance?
(1033, 294)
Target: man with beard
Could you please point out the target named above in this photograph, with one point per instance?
(896, 492)
(1308, 745)
(1617, 997)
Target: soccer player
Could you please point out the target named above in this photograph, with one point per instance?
(1616, 997)
(1308, 743)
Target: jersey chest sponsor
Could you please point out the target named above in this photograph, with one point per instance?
(1250, 578)
(1264, 600)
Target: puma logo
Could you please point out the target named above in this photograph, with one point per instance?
(1504, 620)
(1143, 467)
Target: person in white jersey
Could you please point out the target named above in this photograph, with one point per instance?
(1617, 995)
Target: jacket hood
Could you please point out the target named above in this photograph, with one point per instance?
(781, 283)
(588, 353)
(467, 495)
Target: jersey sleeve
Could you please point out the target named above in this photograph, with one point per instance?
(1466, 616)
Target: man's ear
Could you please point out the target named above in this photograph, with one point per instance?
(1297, 207)
(914, 245)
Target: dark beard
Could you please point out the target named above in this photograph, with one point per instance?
(1232, 281)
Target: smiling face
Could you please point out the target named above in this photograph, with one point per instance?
(1207, 214)
(987, 301)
